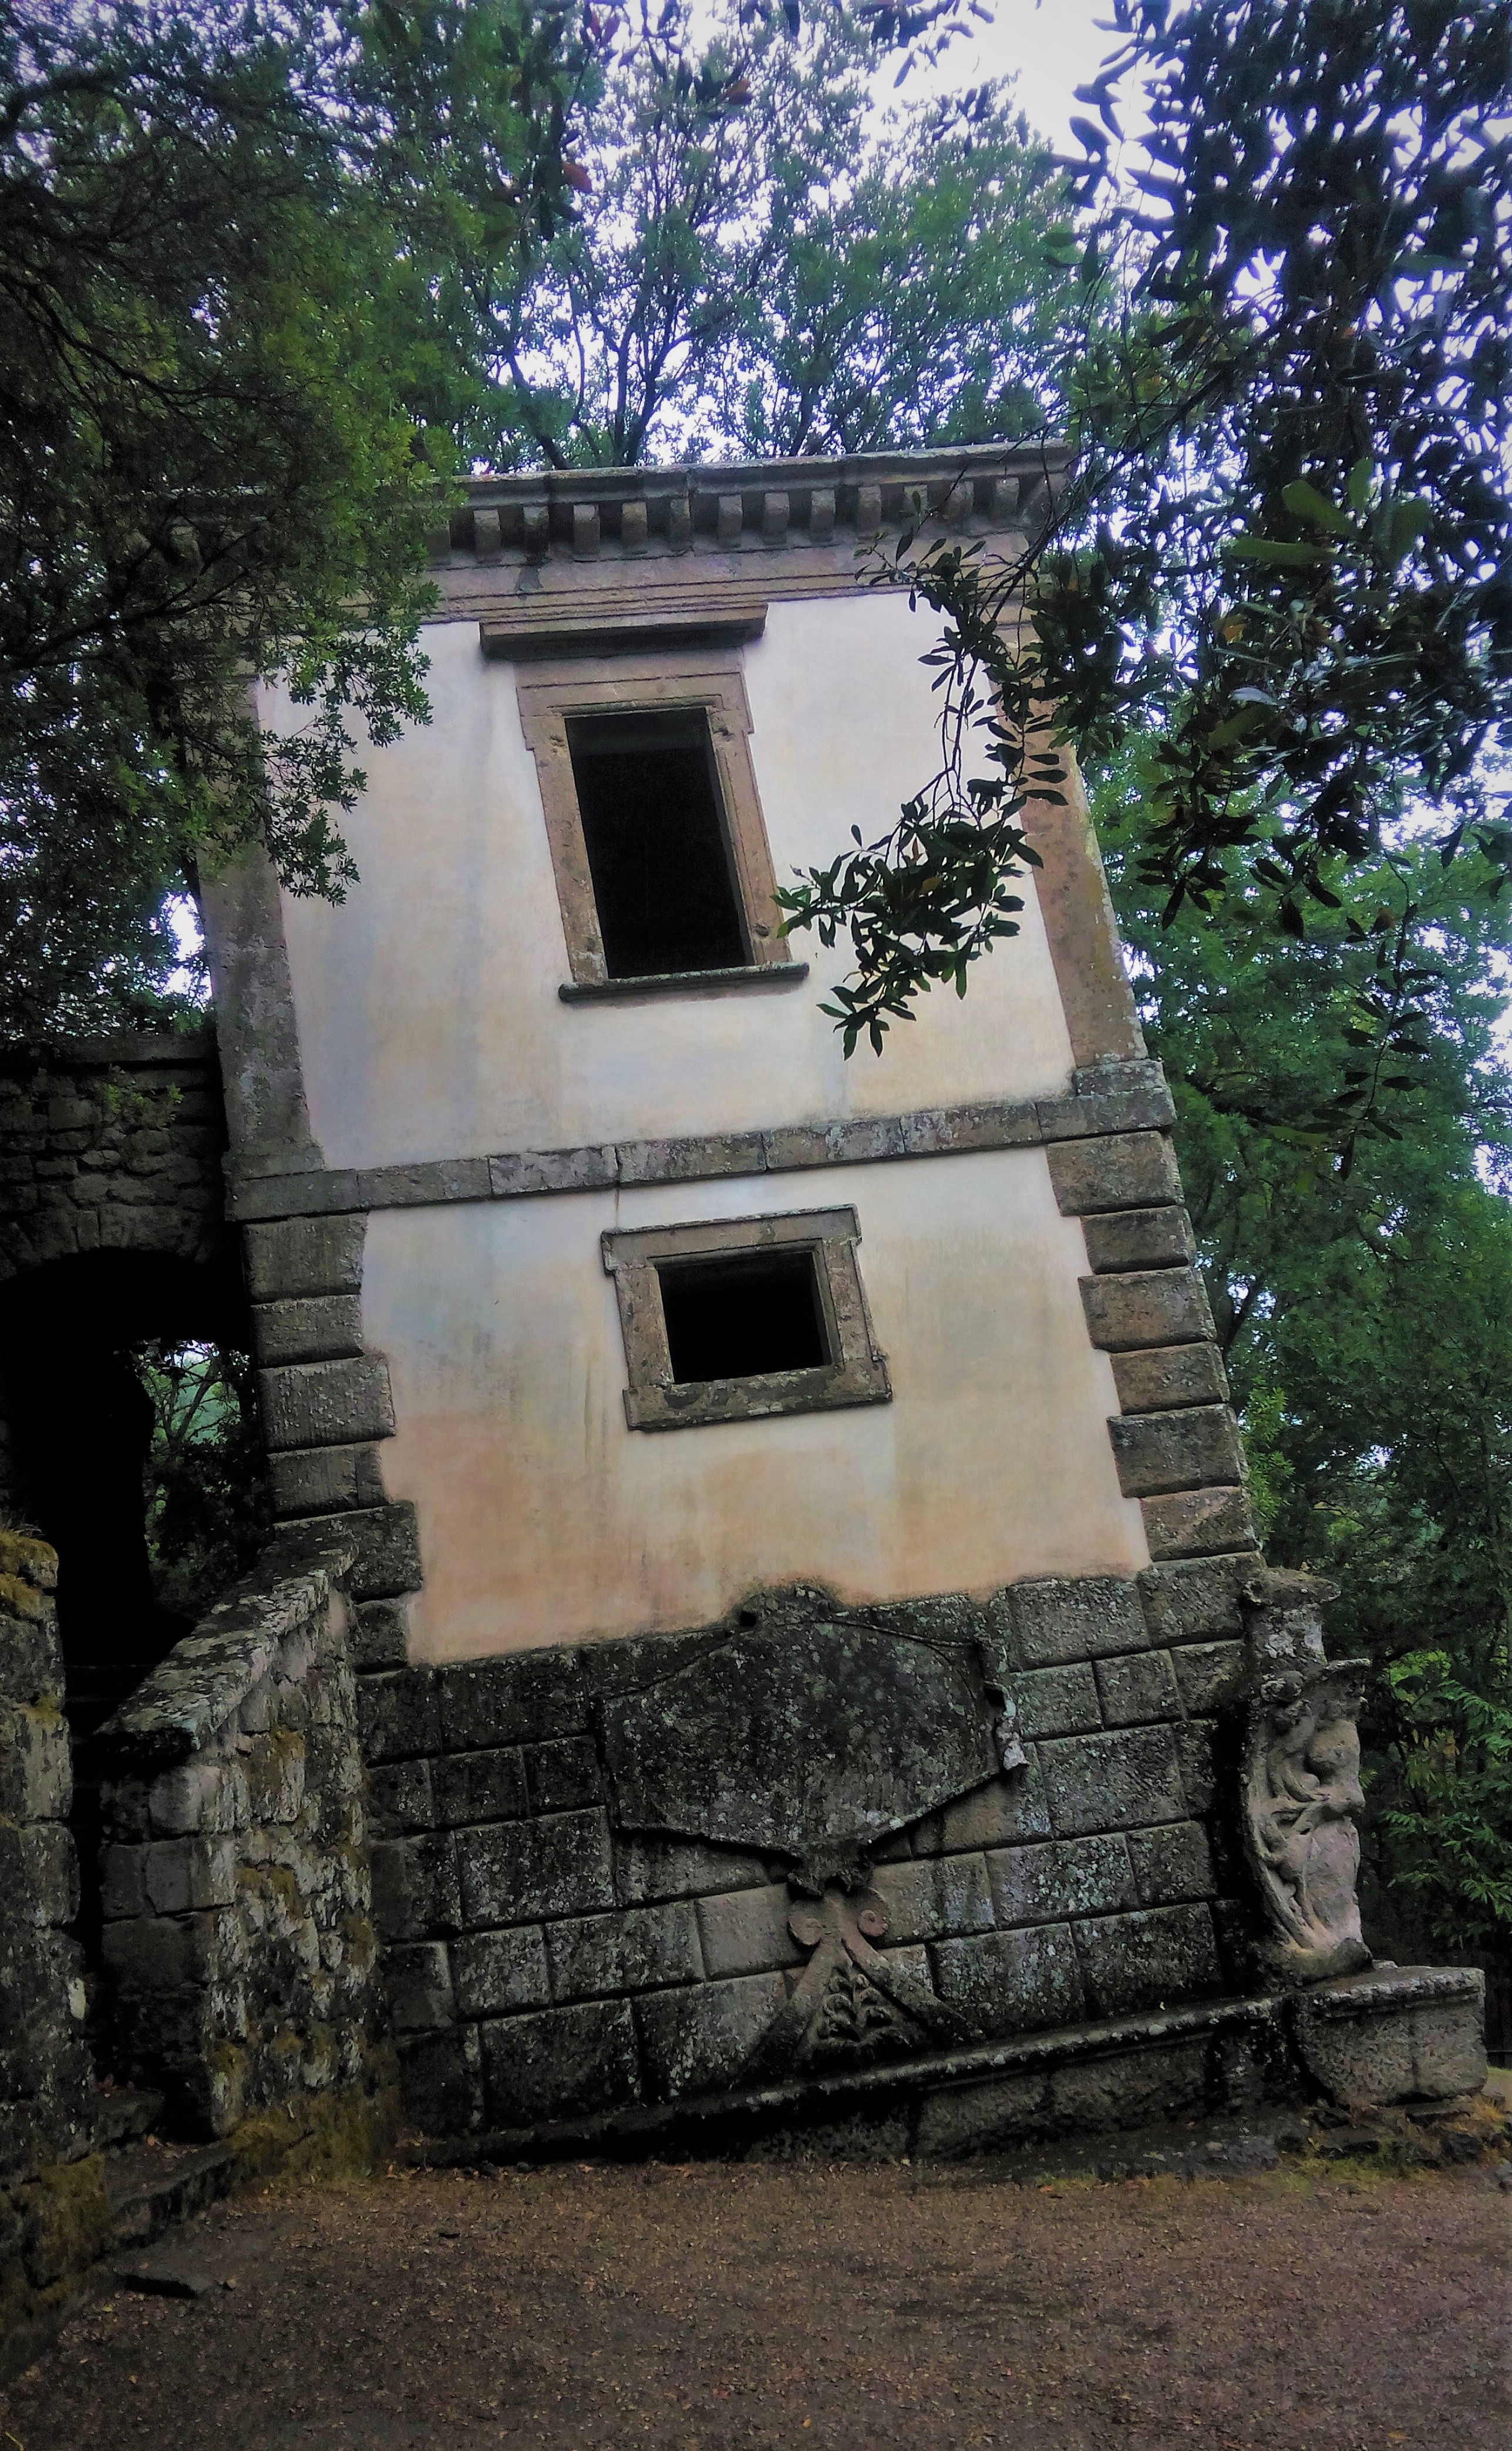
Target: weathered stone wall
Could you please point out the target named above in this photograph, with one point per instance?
(46, 2078)
(546, 1959)
(235, 1872)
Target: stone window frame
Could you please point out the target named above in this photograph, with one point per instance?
(652, 684)
(654, 1401)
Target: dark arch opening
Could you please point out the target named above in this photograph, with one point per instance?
(95, 1352)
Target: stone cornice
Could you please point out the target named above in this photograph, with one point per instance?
(813, 510)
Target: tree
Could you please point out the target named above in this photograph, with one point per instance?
(1284, 555)
(227, 354)
(1366, 1318)
(756, 267)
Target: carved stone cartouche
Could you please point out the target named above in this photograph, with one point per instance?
(1302, 1789)
(851, 2005)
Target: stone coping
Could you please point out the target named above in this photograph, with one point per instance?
(647, 2124)
(207, 1677)
(1140, 1103)
(1384, 1986)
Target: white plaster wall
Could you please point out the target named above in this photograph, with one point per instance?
(543, 1517)
(428, 1011)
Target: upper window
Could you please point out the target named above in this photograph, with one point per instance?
(742, 1317)
(648, 796)
(662, 866)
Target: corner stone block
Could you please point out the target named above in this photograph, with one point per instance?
(415, 1888)
(1012, 1982)
(1053, 1620)
(1057, 1702)
(1045, 1884)
(698, 2040)
(388, 1547)
(397, 1715)
(1186, 1450)
(517, 1872)
(1116, 1782)
(567, 2061)
(1151, 1307)
(1114, 1171)
(321, 1327)
(1206, 1671)
(1140, 1688)
(1395, 2034)
(379, 1635)
(1149, 1960)
(304, 1255)
(307, 1481)
(496, 1971)
(746, 1932)
(516, 1699)
(326, 1403)
(1194, 1598)
(633, 1951)
(1168, 1376)
(945, 1893)
(183, 1874)
(400, 1798)
(1171, 1864)
(1139, 1238)
(1195, 1522)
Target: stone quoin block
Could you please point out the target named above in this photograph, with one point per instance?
(699, 2039)
(418, 1982)
(561, 2062)
(1114, 1171)
(1150, 1307)
(325, 1480)
(1207, 1673)
(319, 1328)
(1161, 1380)
(1139, 1238)
(387, 1559)
(1148, 1960)
(1010, 1982)
(1197, 1599)
(326, 1403)
(494, 1972)
(1141, 1687)
(300, 1256)
(517, 1872)
(1186, 1450)
(440, 2077)
(1126, 1781)
(400, 1798)
(634, 1950)
(1054, 1619)
(1193, 1520)
(379, 1634)
(181, 1874)
(1075, 1877)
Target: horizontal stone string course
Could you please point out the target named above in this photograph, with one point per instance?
(544, 1963)
(1142, 1108)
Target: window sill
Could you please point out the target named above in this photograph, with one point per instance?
(748, 974)
(699, 1403)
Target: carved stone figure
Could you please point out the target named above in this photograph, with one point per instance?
(1302, 1789)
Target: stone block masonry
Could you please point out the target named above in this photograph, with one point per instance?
(546, 1962)
(237, 1886)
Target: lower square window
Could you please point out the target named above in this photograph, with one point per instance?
(743, 1317)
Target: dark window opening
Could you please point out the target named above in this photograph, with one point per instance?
(655, 829)
(740, 1317)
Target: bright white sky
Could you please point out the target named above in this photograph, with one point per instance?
(1050, 50)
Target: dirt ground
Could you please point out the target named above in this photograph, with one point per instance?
(888, 2308)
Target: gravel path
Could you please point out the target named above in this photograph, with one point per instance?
(861, 2310)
